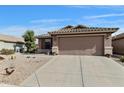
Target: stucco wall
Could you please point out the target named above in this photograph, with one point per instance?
(118, 46)
(39, 43)
(107, 42)
(6, 45)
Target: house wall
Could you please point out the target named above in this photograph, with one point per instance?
(118, 46)
(55, 49)
(13, 46)
(7, 45)
(41, 42)
(107, 42)
(41, 45)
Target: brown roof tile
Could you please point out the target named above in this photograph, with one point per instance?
(82, 29)
(118, 36)
(68, 27)
(8, 38)
(43, 36)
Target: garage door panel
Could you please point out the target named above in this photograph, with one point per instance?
(81, 45)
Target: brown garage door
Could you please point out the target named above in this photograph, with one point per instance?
(85, 45)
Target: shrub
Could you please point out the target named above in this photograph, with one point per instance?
(7, 51)
(122, 58)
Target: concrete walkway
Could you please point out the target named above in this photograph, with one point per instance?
(7, 85)
(77, 71)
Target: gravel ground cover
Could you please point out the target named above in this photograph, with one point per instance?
(24, 66)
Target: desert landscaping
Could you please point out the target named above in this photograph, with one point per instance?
(23, 66)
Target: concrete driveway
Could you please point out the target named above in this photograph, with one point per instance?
(78, 71)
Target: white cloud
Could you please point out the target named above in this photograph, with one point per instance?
(13, 30)
(79, 6)
(104, 23)
(39, 27)
(50, 20)
(104, 16)
(20, 30)
(108, 7)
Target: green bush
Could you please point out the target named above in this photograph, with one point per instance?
(122, 58)
(7, 51)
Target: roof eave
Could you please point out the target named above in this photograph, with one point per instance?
(85, 32)
(120, 36)
(40, 36)
(12, 41)
(43, 37)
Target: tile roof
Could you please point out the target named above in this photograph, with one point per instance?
(8, 38)
(43, 36)
(118, 36)
(67, 27)
(82, 29)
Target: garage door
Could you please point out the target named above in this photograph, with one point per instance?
(85, 45)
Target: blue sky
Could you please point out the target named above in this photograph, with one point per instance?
(15, 20)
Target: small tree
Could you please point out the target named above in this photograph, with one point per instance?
(29, 38)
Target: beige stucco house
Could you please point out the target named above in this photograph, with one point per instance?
(118, 44)
(11, 42)
(78, 40)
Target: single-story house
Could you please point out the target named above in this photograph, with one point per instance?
(118, 44)
(78, 40)
(11, 42)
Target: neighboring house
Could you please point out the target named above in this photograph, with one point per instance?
(118, 44)
(11, 42)
(78, 40)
